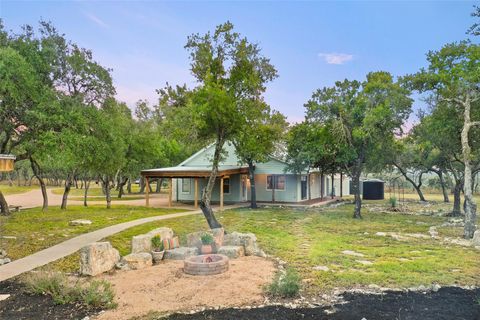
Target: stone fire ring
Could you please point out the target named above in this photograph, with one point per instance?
(198, 265)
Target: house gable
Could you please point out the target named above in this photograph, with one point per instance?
(204, 157)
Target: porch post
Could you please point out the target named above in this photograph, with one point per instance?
(170, 185)
(221, 193)
(147, 192)
(196, 193)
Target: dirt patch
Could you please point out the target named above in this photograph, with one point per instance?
(446, 304)
(23, 306)
(166, 287)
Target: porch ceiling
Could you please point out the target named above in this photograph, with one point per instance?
(193, 172)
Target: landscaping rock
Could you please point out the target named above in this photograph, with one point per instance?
(142, 243)
(137, 261)
(321, 268)
(5, 261)
(80, 222)
(194, 238)
(181, 253)
(353, 253)
(247, 240)
(476, 238)
(97, 258)
(4, 297)
(232, 252)
(163, 232)
(365, 262)
(3, 254)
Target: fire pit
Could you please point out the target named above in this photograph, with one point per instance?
(205, 265)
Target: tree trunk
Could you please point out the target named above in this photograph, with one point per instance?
(253, 192)
(356, 192)
(207, 191)
(4, 210)
(356, 173)
(457, 190)
(308, 185)
(444, 187)
(129, 186)
(37, 173)
(321, 187)
(107, 190)
(85, 194)
(341, 185)
(333, 186)
(120, 187)
(470, 205)
(416, 186)
(68, 185)
(142, 185)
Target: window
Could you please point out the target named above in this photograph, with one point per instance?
(277, 181)
(186, 185)
(226, 185)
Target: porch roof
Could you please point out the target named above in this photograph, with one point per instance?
(192, 172)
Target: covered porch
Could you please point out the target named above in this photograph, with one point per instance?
(199, 175)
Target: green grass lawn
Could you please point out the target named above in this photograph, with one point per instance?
(35, 230)
(7, 190)
(306, 239)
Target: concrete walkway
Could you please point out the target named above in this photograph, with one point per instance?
(70, 246)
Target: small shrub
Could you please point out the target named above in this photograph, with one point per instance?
(157, 244)
(99, 294)
(207, 239)
(53, 284)
(393, 202)
(285, 284)
(95, 294)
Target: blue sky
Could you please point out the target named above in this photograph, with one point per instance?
(312, 44)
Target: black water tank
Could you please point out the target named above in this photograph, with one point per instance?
(373, 189)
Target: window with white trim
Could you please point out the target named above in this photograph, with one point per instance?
(186, 185)
(276, 182)
(226, 185)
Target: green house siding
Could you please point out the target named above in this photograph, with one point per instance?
(233, 196)
(290, 194)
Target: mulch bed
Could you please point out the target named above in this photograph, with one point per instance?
(22, 306)
(448, 303)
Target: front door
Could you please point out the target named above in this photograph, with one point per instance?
(304, 187)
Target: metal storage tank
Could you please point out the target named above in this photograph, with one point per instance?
(373, 189)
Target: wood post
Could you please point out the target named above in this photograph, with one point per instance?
(170, 186)
(147, 194)
(221, 193)
(196, 193)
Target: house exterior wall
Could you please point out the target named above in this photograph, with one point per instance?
(233, 196)
(290, 194)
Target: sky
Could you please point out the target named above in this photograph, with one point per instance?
(311, 43)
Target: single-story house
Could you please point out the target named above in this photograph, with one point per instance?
(273, 182)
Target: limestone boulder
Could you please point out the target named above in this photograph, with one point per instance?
(180, 253)
(232, 252)
(142, 243)
(194, 239)
(80, 222)
(476, 239)
(137, 261)
(98, 257)
(247, 240)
